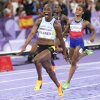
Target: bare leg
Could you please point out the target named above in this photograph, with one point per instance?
(74, 61)
(73, 67)
(53, 65)
(45, 59)
(71, 51)
(39, 69)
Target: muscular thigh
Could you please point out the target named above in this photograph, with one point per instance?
(42, 53)
(76, 51)
(42, 56)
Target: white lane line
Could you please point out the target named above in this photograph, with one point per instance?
(50, 82)
(46, 75)
(90, 97)
(60, 67)
(51, 92)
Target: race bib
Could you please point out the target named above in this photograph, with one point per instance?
(76, 28)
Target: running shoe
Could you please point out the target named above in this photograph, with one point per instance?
(38, 85)
(60, 91)
(66, 85)
(89, 52)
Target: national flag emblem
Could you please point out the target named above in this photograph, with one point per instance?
(26, 22)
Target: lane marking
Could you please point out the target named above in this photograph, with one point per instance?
(34, 70)
(46, 75)
(90, 97)
(55, 91)
(51, 82)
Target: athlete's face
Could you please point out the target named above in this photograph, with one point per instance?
(57, 9)
(47, 12)
(79, 11)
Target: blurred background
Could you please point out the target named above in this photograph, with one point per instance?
(17, 18)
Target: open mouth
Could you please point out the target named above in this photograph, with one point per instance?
(46, 15)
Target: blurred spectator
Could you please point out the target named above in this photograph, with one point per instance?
(87, 16)
(45, 2)
(1, 13)
(34, 7)
(91, 5)
(73, 6)
(97, 7)
(8, 11)
(53, 3)
(2, 4)
(63, 7)
(15, 6)
(87, 12)
(80, 1)
(40, 6)
(20, 11)
(20, 1)
(28, 7)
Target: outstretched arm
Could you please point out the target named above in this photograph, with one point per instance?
(31, 35)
